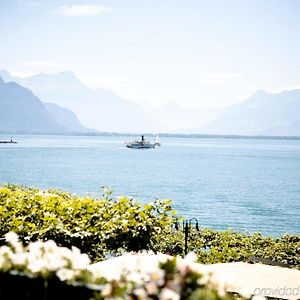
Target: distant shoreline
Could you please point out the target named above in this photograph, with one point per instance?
(172, 135)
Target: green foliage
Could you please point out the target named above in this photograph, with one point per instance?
(96, 226)
(219, 247)
(107, 226)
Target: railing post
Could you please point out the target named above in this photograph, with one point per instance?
(186, 224)
(186, 237)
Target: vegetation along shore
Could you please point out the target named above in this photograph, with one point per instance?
(51, 241)
(106, 226)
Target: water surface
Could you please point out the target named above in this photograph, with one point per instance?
(248, 185)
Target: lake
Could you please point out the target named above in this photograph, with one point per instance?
(245, 184)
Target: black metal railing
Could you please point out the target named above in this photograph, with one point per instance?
(186, 226)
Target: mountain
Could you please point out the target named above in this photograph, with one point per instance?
(288, 129)
(5, 76)
(65, 118)
(106, 111)
(100, 109)
(262, 114)
(22, 111)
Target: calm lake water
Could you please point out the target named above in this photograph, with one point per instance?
(248, 185)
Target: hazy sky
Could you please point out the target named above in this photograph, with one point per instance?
(195, 53)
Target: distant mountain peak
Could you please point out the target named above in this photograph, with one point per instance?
(66, 73)
(4, 72)
(1, 80)
(5, 76)
(63, 74)
(64, 77)
(259, 94)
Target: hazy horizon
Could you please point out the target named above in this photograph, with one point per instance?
(199, 54)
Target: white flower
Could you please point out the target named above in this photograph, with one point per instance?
(107, 290)
(135, 277)
(55, 261)
(65, 274)
(167, 294)
(5, 257)
(151, 288)
(158, 276)
(65, 252)
(36, 266)
(5, 252)
(19, 259)
(50, 246)
(36, 249)
(141, 293)
(12, 238)
(79, 260)
(110, 274)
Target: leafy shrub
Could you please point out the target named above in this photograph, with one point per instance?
(219, 247)
(96, 226)
(101, 227)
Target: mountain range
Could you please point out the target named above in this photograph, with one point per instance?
(22, 111)
(100, 109)
(261, 114)
(65, 98)
(105, 111)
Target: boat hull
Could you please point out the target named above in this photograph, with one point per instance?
(8, 142)
(134, 146)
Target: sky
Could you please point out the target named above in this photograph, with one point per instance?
(195, 53)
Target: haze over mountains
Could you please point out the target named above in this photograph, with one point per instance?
(22, 111)
(99, 109)
(261, 114)
(174, 118)
(105, 111)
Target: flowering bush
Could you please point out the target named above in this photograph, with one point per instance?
(144, 276)
(139, 276)
(43, 259)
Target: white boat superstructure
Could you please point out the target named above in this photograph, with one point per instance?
(157, 140)
(143, 144)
